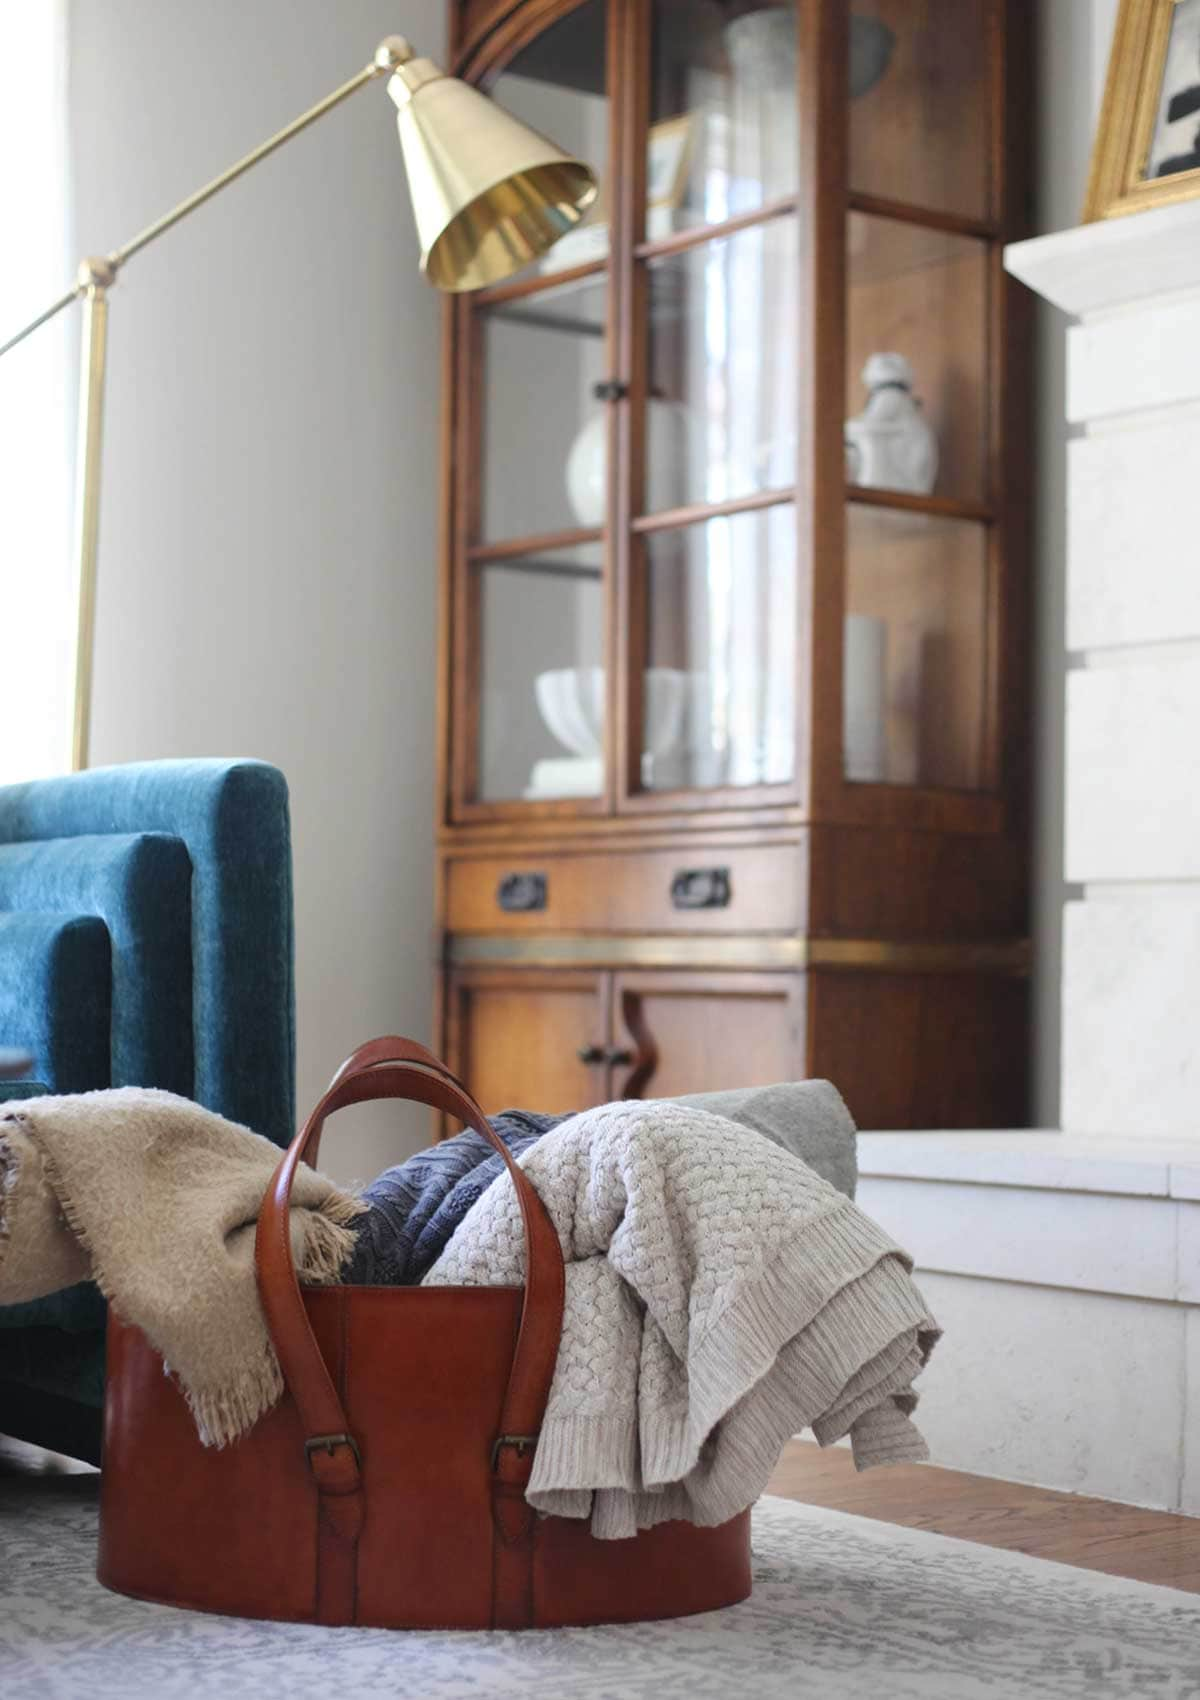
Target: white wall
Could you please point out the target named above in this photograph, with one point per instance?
(267, 580)
(1072, 59)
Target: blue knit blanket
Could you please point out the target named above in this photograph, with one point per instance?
(416, 1206)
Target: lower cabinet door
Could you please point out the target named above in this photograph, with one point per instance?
(704, 1032)
(528, 1039)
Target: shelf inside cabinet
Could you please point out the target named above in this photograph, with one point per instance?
(884, 249)
(904, 501)
(901, 501)
(577, 304)
(547, 566)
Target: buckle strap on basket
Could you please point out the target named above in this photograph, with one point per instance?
(327, 1442)
(521, 1443)
(514, 1519)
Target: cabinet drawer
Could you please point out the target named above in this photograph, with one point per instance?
(699, 889)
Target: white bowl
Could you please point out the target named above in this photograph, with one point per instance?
(571, 702)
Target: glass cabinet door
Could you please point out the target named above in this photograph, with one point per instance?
(637, 574)
(716, 299)
(723, 135)
(536, 503)
(919, 696)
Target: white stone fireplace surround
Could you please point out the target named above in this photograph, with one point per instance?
(1065, 1265)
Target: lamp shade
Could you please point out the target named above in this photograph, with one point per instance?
(488, 193)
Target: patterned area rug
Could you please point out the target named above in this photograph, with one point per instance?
(842, 1609)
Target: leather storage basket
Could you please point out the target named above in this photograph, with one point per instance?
(387, 1486)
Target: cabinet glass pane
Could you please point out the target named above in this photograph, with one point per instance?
(723, 360)
(919, 295)
(723, 135)
(545, 443)
(915, 650)
(721, 687)
(919, 121)
(559, 86)
(541, 702)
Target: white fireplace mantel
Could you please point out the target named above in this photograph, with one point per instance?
(1065, 1265)
(1115, 262)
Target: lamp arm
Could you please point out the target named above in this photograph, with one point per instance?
(390, 54)
(35, 324)
(92, 284)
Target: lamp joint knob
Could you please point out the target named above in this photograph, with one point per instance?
(96, 272)
(392, 52)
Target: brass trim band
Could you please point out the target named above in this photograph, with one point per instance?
(734, 951)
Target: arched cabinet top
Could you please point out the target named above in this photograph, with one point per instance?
(485, 34)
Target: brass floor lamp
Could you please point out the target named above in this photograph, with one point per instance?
(488, 194)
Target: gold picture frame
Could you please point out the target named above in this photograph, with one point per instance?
(1150, 112)
(669, 146)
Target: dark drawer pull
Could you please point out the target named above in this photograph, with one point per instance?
(611, 389)
(701, 888)
(521, 893)
(593, 1055)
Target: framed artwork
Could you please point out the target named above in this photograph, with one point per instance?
(668, 159)
(1147, 148)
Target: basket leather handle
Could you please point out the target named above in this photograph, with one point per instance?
(383, 1069)
(392, 1048)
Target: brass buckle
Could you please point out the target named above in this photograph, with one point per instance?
(327, 1442)
(522, 1442)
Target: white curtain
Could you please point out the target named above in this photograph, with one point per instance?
(37, 394)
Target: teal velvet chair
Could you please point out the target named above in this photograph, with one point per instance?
(145, 940)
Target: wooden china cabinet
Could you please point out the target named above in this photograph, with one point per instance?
(734, 700)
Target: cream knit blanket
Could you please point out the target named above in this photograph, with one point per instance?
(156, 1200)
(720, 1297)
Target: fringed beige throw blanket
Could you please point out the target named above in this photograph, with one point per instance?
(720, 1298)
(157, 1200)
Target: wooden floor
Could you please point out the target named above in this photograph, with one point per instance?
(1148, 1546)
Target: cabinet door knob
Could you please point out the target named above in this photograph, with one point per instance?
(612, 389)
(701, 888)
(591, 1055)
(618, 1058)
(521, 893)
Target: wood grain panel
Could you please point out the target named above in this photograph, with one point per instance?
(1095, 1534)
(922, 133)
(922, 1051)
(612, 893)
(715, 1031)
(888, 884)
(515, 1038)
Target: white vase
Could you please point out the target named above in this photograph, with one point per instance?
(765, 135)
(669, 443)
(864, 698)
(890, 445)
